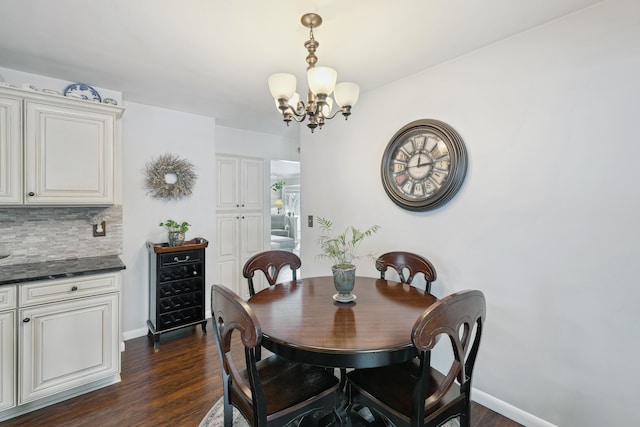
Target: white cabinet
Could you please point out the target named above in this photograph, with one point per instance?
(68, 155)
(240, 236)
(240, 218)
(8, 379)
(67, 344)
(240, 183)
(68, 340)
(66, 148)
(10, 150)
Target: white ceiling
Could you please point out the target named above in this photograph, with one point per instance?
(284, 169)
(213, 57)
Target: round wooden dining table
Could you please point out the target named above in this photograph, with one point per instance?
(301, 321)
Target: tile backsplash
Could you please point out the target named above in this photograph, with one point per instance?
(41, 234)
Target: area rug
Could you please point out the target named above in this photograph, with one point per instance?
(215, 417)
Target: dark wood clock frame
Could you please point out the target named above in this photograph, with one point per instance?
(433, 183)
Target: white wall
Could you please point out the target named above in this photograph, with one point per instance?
(546, 223)
(255, 144)
(149, 132)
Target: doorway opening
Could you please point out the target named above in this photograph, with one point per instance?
(285, 205)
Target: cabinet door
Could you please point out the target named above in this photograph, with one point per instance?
(68, 156)
(10, 151)
(239, 183)
(229, 270)
(228, 176)
(251, 243)
(67, 344)
(7, 360)
(252, 187)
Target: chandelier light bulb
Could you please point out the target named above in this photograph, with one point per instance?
(326, 108)
(293, 101)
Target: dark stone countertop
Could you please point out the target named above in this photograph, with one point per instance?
(30, 272)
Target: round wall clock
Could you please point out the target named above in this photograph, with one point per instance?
(423, 165)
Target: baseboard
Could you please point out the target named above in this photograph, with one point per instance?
(136, 333)
(509, 411)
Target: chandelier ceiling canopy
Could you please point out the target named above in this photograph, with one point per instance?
(321, 82)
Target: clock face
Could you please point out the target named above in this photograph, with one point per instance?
(423, 165)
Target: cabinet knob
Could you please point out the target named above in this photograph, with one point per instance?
(243, 205)
(31, 194)
(195, 273)
(74, 288)
(237, 206)
(26, 320)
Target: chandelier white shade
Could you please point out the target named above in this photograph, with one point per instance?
(346, 93)
(282, 85)
(321, 82)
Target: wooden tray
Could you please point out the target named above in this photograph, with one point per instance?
(196, 243)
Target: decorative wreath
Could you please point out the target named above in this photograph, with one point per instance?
(159, 187)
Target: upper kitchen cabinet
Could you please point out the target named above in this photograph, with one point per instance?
(10, 150)
(55, 150)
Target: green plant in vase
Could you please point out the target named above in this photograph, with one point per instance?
(342, 250)
(176, 231)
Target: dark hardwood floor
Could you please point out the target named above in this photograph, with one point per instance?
(174, 385)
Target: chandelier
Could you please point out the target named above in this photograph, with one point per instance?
(321, 81)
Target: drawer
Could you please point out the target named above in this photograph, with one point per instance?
(182, 257)
(7, 297)
(45, 291)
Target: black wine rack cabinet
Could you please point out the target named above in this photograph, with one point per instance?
(176, 287)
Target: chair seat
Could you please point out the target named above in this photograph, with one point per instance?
(391, 387)
(288, 383)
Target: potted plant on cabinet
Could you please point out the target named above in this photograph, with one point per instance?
(176, 231)
(342, 250)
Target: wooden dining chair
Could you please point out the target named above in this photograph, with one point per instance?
(409, 263)
(415, 394)
(270, 263)
(270, 392)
